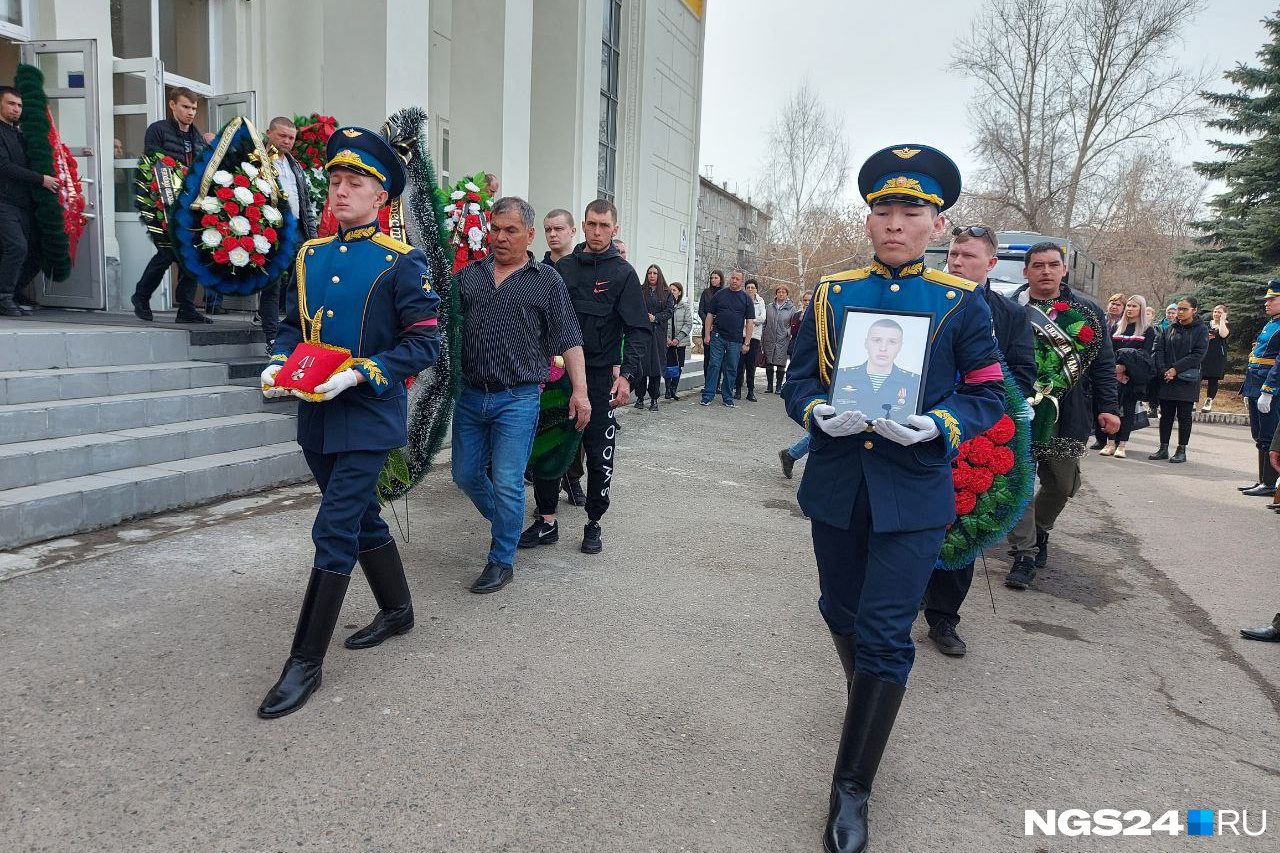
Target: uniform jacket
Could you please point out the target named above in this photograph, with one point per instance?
(605, 292)
(1182, 348)
(895, 399)
(1261, 376)
(17, 179)
(372, 296)
(681, 322)
(910, 487)
(776, 341)
(661, 305)
(1014, 337)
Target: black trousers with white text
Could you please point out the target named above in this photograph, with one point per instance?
(598, 451)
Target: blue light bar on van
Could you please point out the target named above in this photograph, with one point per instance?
(1019, 248)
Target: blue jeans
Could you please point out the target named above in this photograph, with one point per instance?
(800, 449)
(722, 368)
(493, 432)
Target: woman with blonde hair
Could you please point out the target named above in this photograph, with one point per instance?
(1133, 339)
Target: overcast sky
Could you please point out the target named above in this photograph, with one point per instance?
(856, 54)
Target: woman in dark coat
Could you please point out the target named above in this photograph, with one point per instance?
(1133, 340)
(660, 306)
(1215, 360)
(1180, 349)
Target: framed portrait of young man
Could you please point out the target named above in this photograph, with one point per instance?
(881, 361)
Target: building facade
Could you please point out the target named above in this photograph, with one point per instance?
(565, 100)
(731, 233)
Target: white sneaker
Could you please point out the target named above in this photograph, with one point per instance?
(1208, 405)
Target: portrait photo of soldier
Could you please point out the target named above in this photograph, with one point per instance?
(881, 358)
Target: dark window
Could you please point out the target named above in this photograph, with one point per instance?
(610, 60)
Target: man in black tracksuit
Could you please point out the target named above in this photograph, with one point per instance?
(605, 291)
(19, 262)
(972, 256)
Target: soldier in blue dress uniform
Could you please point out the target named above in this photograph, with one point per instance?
(365, 292)
(1261, 382)
(878, 492)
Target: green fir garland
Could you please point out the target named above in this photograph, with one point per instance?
(50, 219)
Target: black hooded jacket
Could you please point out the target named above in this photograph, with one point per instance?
(605, 291)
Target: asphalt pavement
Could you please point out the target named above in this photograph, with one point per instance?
(676, 693)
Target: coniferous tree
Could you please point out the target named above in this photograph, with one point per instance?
(1238, 248)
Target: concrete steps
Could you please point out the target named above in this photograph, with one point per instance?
(103, 423)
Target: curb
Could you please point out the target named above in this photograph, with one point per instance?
(1229, 418)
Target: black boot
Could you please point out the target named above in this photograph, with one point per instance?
(844, 648)
(301, 675)
(1263, 464)
(1179, 454)
(1042, 548)
(385, 573)
(873, 707)
(1162, 452)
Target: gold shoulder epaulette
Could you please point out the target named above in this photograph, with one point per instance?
(319, 241)
(948, 280)
(847, 275)
(388, 242)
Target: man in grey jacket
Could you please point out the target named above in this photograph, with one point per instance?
(280, 135)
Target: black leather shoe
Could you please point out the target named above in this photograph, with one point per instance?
(492, 579)
(1098, 444)
(1269, 634)
(737, 395)
(1042, 549)
(539, 533)
(640, 404)
(1179, 454)
(385, 573)
(788, 463)
(1248, 487)
(944, 636)
(195, 317)
(653, 405)
(12, 309)
(1162, 452)
(301, 676)
(1262, 490)
(573, 489)
(591, 543)
(1022, 574)
(141, 308)
(868, 720)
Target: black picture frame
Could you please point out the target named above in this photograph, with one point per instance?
(907, 398)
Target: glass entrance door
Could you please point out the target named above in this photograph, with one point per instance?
(138, 86)
(71, 84)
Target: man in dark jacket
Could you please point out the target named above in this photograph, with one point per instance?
(973, 256)
(605, 292)
(18, 260)
(1058, 461)
(178, 137)
(280, 135)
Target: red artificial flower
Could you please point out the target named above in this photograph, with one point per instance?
(473, 196)
(1003, 431)
(255, 228)
(240, 180)
(221, 257)
(155, 187)
(253, 214)
(472, 221)
(259, 198)
(230, 243)
(1001, 461)
(225, 193)
(1085, 334)
(1061, 306)
(169, 161)
(270, 234)
(980, 448)
(209, 221)
(224, 228)
(965, 502)
(246, 243)
(231, 208)
(258, 260)
(980, 480)
(961, 476)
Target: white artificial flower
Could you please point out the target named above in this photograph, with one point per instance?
(451, 208)
(271, 214)
(239, 226)
(261, 244)
(238, 257)
(210, 237)
(222, 178)
(250, 170)
(472, 187)
(473, 208)
(263, 186)
(211, 204)
(475, 235)
(244, 195)
(456, 194)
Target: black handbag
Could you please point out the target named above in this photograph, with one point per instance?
(1140, 419)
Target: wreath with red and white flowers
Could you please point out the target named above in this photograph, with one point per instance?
(466, 210)
(238, 224)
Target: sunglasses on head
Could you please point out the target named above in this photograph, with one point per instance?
(980, 232)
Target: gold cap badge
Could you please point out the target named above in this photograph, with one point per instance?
(906, 153)
(354, 133)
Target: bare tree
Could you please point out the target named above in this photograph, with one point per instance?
(1067, 88)
(806, 174)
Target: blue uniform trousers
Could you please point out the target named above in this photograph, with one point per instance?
(1262, 426)
(349, 520)
(871, 586)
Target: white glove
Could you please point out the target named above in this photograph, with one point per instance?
(919, 428)
(268, 378)
(836, 426)
(337, 383)
(1264, 403)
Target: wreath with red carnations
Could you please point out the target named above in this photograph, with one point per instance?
(308, 149)
(151, 207)
(992, 475)
(466, 210)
